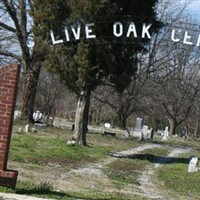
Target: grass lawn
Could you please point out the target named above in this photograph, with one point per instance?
(176, 178)
(50, 148)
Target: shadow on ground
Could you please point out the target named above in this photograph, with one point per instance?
(55, 194)
(159, 159)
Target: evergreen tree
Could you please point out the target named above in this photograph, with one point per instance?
(84, 64)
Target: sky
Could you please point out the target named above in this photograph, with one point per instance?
(193, 10)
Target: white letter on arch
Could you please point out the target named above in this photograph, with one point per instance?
(118, 25)
(76, 32)
(173, 36)
(88, 31)
(145, 30)
(54, 41)
(186, 38)
(131, 28)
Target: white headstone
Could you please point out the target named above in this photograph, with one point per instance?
(144, 132)
(40, 115)
(107, 125)
(37, 115)
(193, 165)
(166, 134)
(27, 128)
(138, 125)
(17, 114)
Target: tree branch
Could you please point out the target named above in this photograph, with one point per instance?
(19, 30)
(9, 28)
(10, 54)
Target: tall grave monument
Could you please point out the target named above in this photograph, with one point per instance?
(138, 127)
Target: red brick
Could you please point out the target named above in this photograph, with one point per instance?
(1, 165)
(8, 85)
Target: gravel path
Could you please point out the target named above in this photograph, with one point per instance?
(147, 178)
(147, 187)
(133, 151)
(92, 177)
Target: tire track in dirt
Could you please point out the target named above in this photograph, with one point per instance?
(147, 179)
(92, 178)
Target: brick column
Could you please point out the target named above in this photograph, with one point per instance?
(8, 90)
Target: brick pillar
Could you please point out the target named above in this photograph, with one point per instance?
(8, 90)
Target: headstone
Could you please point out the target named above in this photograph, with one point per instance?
(27, 128)
(56, 123)
(138, 128)
(107, 125)
(34, 115)
(193, 165)
(17, 114)
(144, 132)
(37, 115)
(149, 133)
(136, 134)
(165, 134)
(50, 122)
(39, 126)
(138, 125)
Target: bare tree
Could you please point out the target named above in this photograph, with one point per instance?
(19, 45)
(175, 82)
(167, 65)
(48, 91)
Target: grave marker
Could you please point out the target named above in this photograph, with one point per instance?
(137, 132)
(193, 165)
(166, 134)
(138, 125)
(144, 132)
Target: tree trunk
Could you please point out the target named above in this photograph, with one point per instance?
(81, 118)
(85, 118)
(172, 127)
(120, 118)
(196, 128)
(29, 88)
(121, 122)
